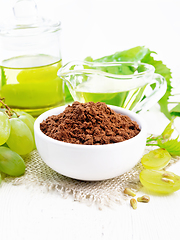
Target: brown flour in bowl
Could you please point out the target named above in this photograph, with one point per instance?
(90, 124)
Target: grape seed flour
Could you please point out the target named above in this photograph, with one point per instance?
(90, 124)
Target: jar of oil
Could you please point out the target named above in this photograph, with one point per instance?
(29, 59)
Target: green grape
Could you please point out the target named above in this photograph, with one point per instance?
(11, 114)
(160, 181)
(11, 163)
(0, 178)
(5, 145)
(156, 159)
(3, 110)
(20, 139)
(29, 116)
(4, 128)
(29, 121)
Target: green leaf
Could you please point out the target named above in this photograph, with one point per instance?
(163, 141)
(172, 146)
(143, 54)
(3, 77)
(88, 59)
(137, 99)
(176, 110)
(163, 70)
(68, 97)
(163, 102)
(166, 134)
(131, 55)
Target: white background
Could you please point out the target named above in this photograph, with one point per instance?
(99, 28)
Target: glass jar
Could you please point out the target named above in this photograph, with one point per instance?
(29, 59)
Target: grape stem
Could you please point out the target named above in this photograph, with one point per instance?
(152, 144)
(152, 139)
(9, 111)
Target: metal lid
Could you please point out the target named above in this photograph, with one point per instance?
(26, 21)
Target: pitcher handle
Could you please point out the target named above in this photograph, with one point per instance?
(153, 95)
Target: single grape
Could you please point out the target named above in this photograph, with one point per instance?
(156, 159)
(0, 178)
(29, 121)
(20, 139)
(10, 114)
(3, 110)
(160, 181)
(4, 128)
(11, 163)
(29, 116)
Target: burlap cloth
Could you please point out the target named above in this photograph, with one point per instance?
(101, 193)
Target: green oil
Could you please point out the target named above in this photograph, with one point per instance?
(125, 94)
(31, 84)
(126, 99)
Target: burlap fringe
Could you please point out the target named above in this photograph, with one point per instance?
(102, 193)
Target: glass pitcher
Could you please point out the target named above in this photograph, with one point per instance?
(129, 85)
(30, 58)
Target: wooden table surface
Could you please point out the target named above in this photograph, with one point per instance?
(30, 212)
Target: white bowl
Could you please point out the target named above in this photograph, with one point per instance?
(90, 162)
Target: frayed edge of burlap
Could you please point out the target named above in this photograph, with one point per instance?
(103, 193)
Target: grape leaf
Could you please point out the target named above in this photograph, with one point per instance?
(176, 110)
(163, 141)
(166, 73)
(68, 97)
(3, 77)
(143, 54)
(166, 134)
(131, 55)
(172, 146)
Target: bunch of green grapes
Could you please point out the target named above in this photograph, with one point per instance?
(16, 139)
